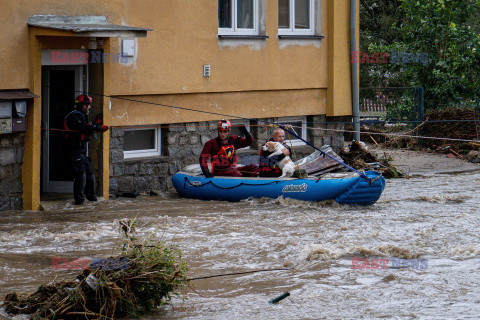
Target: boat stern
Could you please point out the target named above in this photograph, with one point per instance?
(363, 191)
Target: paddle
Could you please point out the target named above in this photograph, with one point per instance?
(361, 174)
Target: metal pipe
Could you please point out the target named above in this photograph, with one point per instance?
(355, 89)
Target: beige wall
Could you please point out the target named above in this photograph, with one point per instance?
(251, 104)
(170, 59)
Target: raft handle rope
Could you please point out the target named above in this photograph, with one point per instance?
(226, 188)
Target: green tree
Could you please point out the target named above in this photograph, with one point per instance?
(378, 34)
(443, 29)
(446, 30)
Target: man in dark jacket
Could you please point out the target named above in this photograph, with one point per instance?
(78, 134)
(268, 166)
(221, 152)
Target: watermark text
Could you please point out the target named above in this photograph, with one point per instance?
(388, 263)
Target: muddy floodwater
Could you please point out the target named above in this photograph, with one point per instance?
(414, 254)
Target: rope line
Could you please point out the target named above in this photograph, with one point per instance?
(238, 273)
(230, 116)
(399, 135)
(298, 127)
(272, 123)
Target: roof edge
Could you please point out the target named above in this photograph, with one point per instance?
(55, 19)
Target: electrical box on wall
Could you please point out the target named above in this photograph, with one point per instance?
(128, 47)
(206, 70)
(5, 116)
(12, 116)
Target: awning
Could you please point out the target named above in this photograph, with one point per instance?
(20, 94)
(86, 26)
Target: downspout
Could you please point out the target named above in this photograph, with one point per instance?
(355, 88)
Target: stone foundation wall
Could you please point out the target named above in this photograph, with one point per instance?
(11, 159)
(327, 131)
(183, 143)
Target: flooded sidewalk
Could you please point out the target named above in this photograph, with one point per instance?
(414, 254)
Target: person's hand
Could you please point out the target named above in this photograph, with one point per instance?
(207, 173)
(103, 128)
(99, 119)
(243, 129)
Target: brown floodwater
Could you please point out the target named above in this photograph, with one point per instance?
(414, 254)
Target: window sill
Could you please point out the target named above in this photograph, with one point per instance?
(146, 158)
(300, 36)
(239, 36)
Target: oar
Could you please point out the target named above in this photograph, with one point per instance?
(361, 174)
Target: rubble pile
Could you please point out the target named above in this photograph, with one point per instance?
(357, 156)
(451, 123)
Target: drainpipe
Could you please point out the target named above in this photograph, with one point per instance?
(353, 47)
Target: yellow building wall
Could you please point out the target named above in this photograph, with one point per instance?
(170, 59)
(339, 96)
(126, 110)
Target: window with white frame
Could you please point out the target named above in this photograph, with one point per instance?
(299, 125)
(141, 142)
(238, 17)
(235, 124)
(296, 17)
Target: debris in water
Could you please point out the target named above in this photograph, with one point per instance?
(359, 157)
(132, 194)
(279, 298)
(140, 279)
(390, 277)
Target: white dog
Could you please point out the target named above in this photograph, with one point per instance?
(286, 164)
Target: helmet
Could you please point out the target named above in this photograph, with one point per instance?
(83, 99)
(224, 125)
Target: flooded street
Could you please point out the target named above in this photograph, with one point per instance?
(414, 254)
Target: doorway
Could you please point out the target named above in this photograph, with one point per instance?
(60, 86)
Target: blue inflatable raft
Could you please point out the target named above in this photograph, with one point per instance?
(344, 188)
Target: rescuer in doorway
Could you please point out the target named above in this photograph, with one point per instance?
(221, 152)
(79, 133)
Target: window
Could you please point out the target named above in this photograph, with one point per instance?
(238, 17)
(235, 124)
(296, 17)
(299, 124)
(141, 142)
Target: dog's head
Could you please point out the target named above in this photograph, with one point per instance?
(271, 146)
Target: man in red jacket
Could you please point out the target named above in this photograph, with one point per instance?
(221, 153)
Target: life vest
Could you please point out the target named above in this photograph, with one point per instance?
(226, 156)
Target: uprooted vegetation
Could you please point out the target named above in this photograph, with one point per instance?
(359, 158)
(443, 130)
(138, 280)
